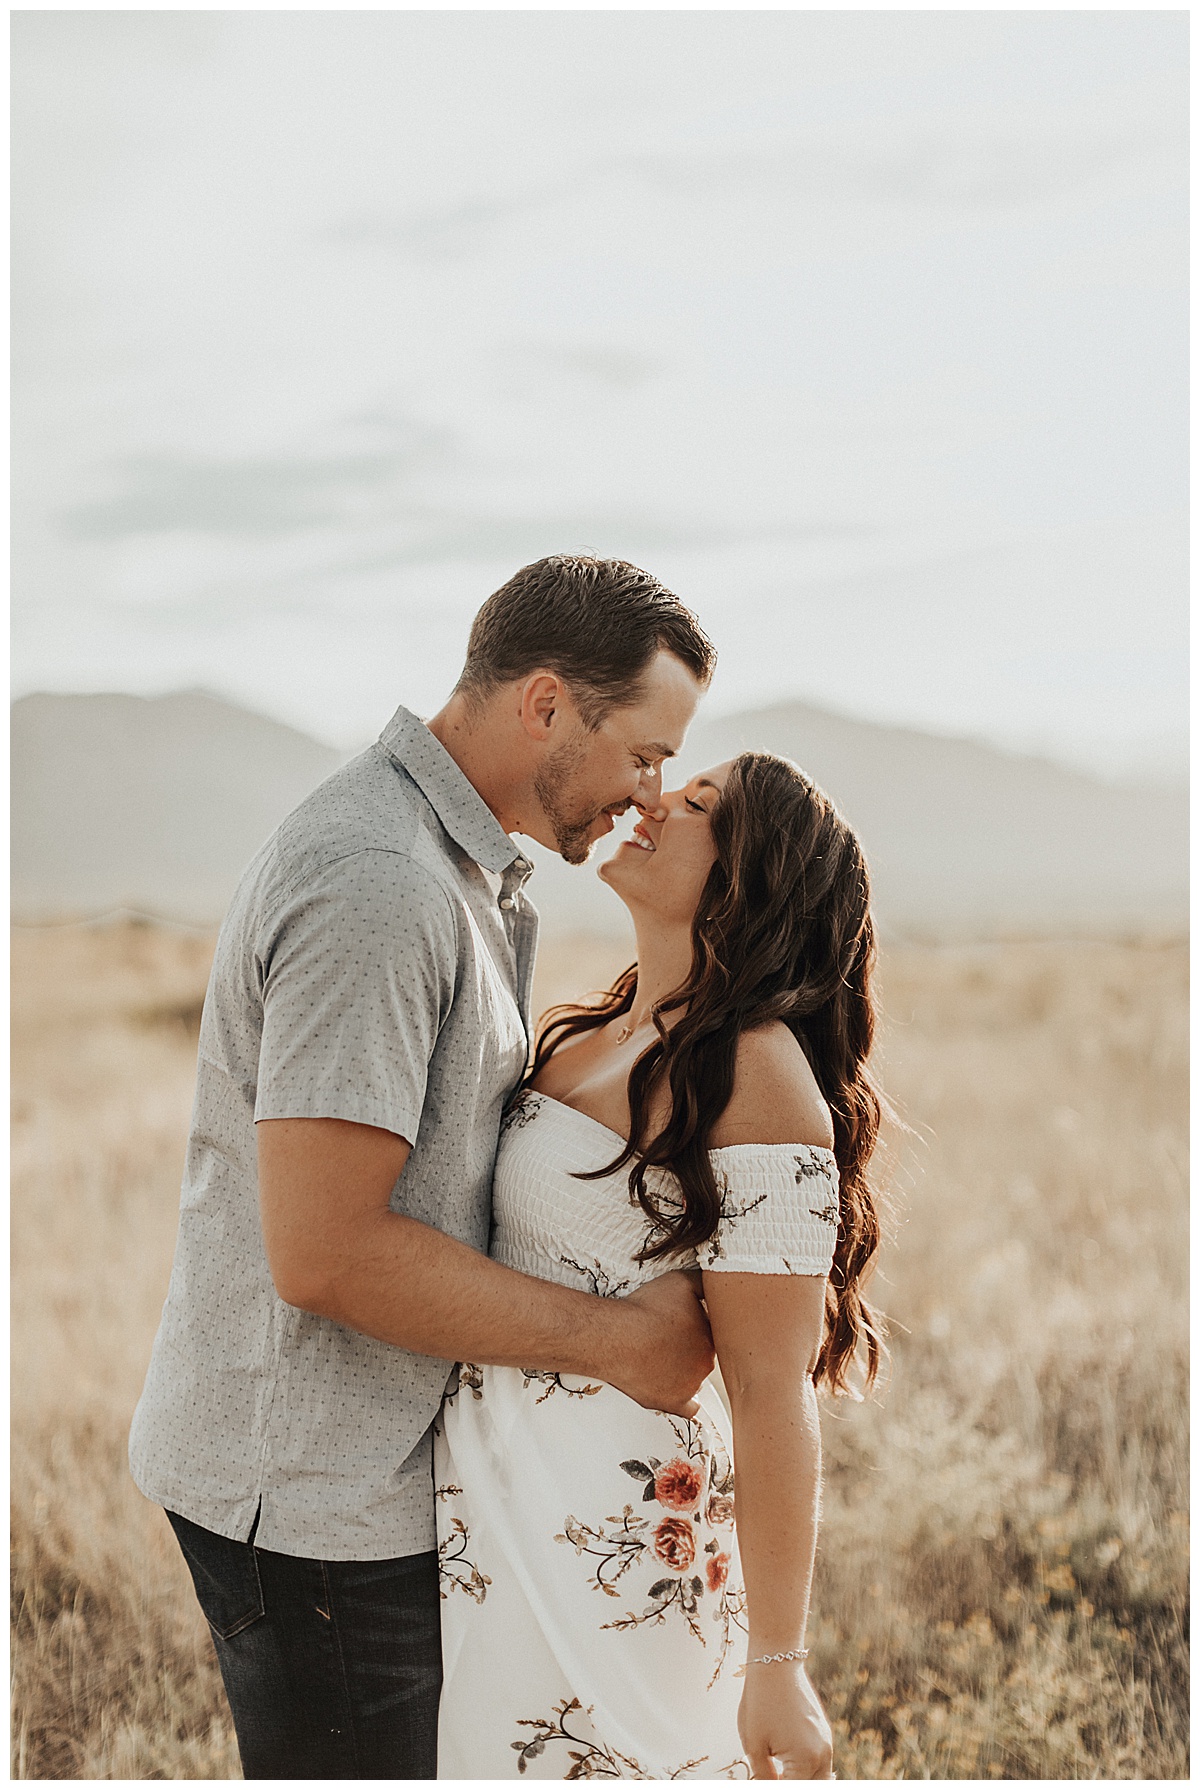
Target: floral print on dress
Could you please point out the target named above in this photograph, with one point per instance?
(714, 1249)
(614, 1552)
(521, 1111)
(602, 1534)
(808, 1170)
(679, 1485)
(665, 1594)
(469, 1379)
(589, 1758)
(597, 1277)
(730, 1615)
(694, 1489)
(456, 1572)
(555, 1383)
(717, 1571)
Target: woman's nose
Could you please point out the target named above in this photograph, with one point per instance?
(650, 803)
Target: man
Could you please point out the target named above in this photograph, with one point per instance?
(366, 1021)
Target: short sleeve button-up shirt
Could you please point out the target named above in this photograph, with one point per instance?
(375, 965)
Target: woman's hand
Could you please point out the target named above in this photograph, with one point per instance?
(784, 1730)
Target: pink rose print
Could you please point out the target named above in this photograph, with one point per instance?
(718, 1571)
(678, 1485)
(720, 1509)
(675, 1543)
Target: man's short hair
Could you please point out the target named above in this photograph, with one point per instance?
(598, 623)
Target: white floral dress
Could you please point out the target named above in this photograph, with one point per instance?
(593, 1607)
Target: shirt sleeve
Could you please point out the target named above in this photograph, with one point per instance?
(357, 981)
(779, 1210)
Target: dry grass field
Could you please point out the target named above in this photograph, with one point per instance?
(1002, 1581)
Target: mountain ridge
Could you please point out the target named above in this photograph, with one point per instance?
(155, 804)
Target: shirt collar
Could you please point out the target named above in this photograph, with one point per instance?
(453, 798)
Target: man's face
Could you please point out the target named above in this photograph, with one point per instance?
(585, 783)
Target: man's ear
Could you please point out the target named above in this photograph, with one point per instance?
(541, 697)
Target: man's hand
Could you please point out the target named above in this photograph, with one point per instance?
(670, 1352)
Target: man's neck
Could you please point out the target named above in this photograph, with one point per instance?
(480, 756)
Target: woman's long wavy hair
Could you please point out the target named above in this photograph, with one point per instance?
(782, 931)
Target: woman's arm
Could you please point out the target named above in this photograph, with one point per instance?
(767, 1329)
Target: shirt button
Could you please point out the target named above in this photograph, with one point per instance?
(506, 901)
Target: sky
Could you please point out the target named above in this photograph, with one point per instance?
(865, 331)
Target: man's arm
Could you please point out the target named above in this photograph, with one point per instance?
(335, 1249)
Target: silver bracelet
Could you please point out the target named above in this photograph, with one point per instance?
(773, 1659)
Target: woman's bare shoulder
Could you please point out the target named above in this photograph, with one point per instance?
(775, 1097)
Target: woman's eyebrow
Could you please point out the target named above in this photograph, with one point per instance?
(703, 783)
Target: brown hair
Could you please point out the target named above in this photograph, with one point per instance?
(782, 931)
(597, 622)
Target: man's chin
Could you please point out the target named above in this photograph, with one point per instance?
(576, 844)
(575, 850)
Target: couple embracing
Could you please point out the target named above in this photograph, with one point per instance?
(535, 1562)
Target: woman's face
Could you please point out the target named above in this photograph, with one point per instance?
(665, 865)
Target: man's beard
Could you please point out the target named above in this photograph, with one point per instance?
(552, 787)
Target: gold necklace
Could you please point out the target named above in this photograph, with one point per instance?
(624, 1033)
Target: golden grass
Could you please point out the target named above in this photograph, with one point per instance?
(1002, 1578)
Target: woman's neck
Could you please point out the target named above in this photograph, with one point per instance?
(664, 960)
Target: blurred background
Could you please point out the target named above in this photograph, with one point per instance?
(864, 331)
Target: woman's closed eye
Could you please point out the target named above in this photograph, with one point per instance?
(696, 807)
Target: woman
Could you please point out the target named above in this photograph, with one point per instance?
(603, 1616)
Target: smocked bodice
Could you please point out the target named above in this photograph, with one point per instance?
(779, 1205)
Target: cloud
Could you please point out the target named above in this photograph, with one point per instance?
(455, 534)
(449, 231)
(254, 495)
(381, 501)
(597, 363)
(956, 165)
(228, 541)
(619, 367)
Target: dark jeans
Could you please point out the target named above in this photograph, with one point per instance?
(332, 1667)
